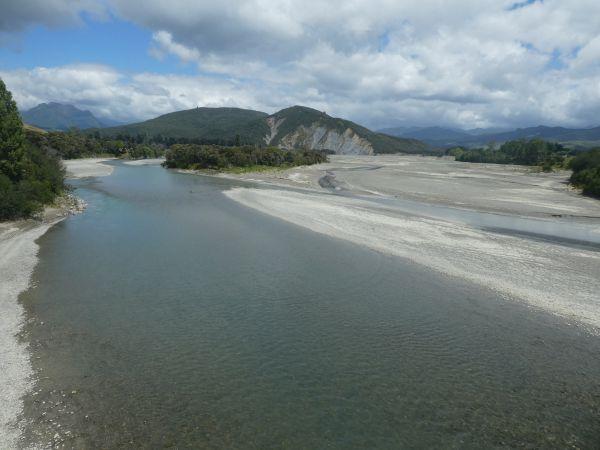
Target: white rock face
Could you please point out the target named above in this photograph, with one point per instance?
(274, 124)
(318, 137)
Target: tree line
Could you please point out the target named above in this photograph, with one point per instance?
(547, 155)
(73, 144)
(194, 156)
(534, 152)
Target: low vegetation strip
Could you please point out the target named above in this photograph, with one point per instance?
(535, 152)
(193, 156)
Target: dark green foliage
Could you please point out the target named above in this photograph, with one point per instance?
(383, 144)
(222, 126)
(193, 156)
(297, 116)
(586, 172)
(73, 145)
(533, 152)
(457, 152)
(143, 151)
(30, 176)
(12, 137)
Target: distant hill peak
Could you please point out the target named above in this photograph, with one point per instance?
(60, 116)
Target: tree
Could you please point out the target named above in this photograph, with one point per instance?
(30, 176)
(12, 137)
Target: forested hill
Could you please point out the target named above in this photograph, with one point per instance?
(222, 126)
(292, 128)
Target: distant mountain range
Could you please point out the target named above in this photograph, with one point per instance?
(61, 117)
(448, 137)
(297, 127)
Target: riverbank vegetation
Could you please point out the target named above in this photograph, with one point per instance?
(30, 175)
(192, 156)
(585, 164)
(586, 172)
(74, 144)
(534, 152)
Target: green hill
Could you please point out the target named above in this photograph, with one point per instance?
(215, 125)
(318, 128)
(383, 143)
(297, 127)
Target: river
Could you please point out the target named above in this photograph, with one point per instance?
(168, 315)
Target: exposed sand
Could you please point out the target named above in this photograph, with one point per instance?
(506, 189)
(145, 162)
(561, 279)
(87, 167)
(18, 258)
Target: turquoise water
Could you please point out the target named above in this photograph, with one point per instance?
(168, 316)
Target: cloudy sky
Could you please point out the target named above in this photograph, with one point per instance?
(464, 63)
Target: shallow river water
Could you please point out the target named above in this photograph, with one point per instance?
(168, 315)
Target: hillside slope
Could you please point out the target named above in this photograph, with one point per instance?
(215, 125)
(429, 134)
(297, 127)
(557, 134)
(33, 129)
(56, 116)
(301, 127)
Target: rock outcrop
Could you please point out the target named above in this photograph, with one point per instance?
(319, 137)
(274, 124)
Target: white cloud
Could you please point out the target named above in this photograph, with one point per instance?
(108, 93)
(465, 63)
(165, 44)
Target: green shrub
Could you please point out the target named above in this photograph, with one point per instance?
(193, 156)
(586, 172)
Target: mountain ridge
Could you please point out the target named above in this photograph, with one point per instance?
(54, 116)
(296, 127)
(447, 137)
